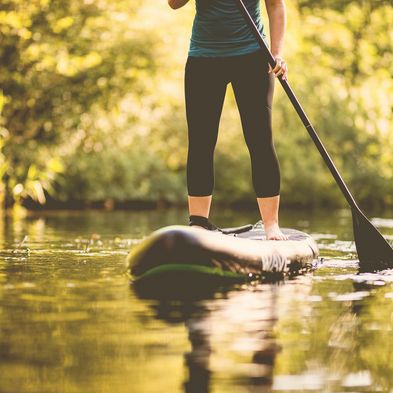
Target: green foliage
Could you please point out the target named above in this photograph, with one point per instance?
(60, 60)
(351, 82)
(110, 173)
(92, 105)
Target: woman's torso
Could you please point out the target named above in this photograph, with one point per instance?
(219, 28)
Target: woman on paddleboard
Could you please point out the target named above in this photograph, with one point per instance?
(223, 50)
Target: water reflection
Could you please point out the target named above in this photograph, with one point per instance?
(231, 337)
(299, 336)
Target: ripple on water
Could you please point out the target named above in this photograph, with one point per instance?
(311, 381)
(350, 296)
(382, 222)
(378, 279)
(338, 245)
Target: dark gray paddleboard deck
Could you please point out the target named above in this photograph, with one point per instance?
(195, 252)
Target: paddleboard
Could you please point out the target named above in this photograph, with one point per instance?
(182, 255)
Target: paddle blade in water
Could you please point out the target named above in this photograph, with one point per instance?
(374, 252)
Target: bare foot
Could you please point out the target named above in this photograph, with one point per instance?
(273, 232)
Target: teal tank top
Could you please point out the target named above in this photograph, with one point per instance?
(219, 29)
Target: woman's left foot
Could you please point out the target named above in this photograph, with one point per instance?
(273, 232)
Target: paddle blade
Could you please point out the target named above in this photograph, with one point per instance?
(374, 252)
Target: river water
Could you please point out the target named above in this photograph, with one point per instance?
(70, 321)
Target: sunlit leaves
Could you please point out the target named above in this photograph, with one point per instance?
(59, 59)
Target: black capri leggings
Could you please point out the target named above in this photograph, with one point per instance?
(206, 80)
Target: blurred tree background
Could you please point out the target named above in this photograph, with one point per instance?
(92, 104)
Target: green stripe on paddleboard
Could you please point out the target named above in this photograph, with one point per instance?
(191, 269)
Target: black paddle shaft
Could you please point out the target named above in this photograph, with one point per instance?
(374, 251)
(292, 97)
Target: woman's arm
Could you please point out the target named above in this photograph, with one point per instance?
(175, 4)
(277, 14)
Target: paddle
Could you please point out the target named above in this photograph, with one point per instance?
(374, 251)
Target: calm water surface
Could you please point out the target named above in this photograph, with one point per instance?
(71, 322)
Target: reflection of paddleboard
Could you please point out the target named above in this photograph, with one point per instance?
(193, 253)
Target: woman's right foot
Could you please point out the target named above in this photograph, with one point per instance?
(273, 232)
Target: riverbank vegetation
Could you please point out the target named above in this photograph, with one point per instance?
(92, 106)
